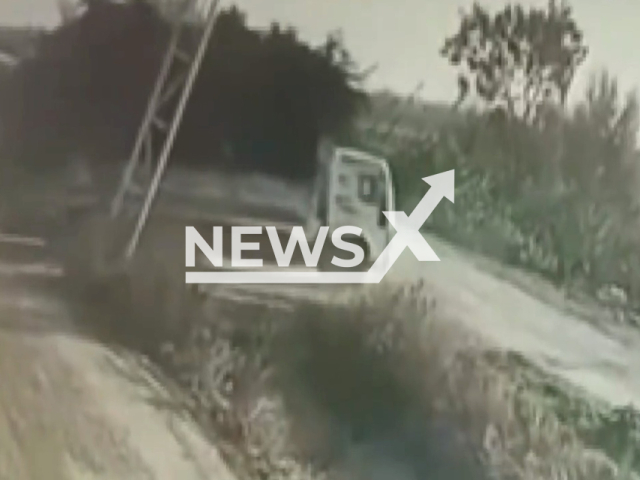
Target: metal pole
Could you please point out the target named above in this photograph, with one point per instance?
(164, 157)
(129, 171)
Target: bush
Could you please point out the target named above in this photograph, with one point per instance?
(266, 97)
(366, 386)
(408, 392)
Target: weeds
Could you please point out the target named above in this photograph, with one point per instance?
(373, 387)
(376, 385)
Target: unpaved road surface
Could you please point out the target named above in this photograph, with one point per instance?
(513, 311)
(532, 319)
(71, 409)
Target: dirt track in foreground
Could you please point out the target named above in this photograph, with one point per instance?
(68, 412)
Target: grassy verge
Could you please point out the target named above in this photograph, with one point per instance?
(367, 388)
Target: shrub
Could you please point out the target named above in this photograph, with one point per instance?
(374, 385)
(264, 96)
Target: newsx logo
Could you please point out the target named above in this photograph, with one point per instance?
(407, 235)
(283, 255)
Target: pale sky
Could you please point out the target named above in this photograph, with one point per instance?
(404, 36)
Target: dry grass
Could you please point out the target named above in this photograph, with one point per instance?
(390, 359)
(372, 387)
(325, 390)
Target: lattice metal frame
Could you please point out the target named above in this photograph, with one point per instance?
(169, 86)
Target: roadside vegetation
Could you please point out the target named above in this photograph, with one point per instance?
(366, 387)
(541, 182)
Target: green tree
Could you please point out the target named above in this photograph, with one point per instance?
(516, 61)
(601, 140)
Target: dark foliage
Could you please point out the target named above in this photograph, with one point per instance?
(266, 97)
(517, 60)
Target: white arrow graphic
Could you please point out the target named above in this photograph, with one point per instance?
(408, 228)
(407, 236)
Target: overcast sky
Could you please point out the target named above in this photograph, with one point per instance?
(404, 36)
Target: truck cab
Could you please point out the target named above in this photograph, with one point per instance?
(354, 188)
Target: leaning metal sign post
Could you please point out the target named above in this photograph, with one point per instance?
(407, 236)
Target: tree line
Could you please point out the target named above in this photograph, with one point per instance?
(261, 101)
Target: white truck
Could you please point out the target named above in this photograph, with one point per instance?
(354, 189)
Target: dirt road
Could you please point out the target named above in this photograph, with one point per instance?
(532, 318)
(71, 409)
(513, 311)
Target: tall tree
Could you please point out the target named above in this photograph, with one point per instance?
(516, 61)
